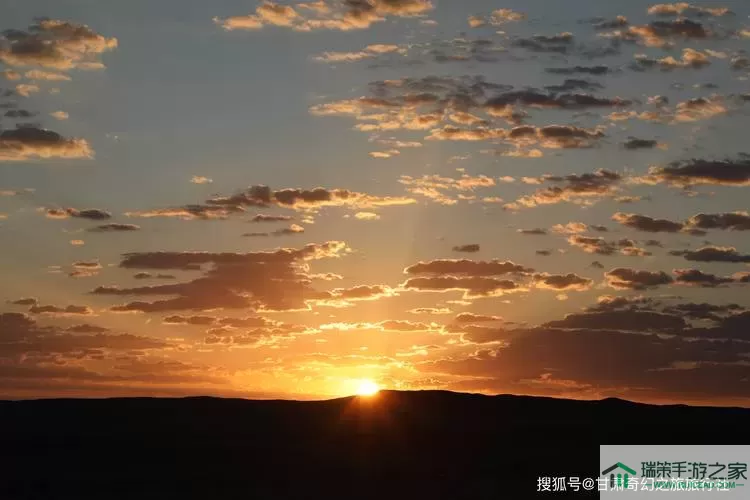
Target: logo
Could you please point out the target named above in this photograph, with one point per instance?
(623, 475)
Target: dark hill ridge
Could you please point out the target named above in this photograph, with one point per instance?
(421, 444)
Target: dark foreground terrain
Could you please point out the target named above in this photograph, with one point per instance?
(412, 445)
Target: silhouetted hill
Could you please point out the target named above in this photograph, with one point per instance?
(423, 444)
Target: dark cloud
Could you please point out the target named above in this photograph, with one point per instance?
(467, 268)
(274, 280)
(624, 278)
(189, 320)
(712, 254)
(698, 171)
(733, 221)
(572, 84)
(695, 277)
(470, 248)
(634, 143)
(61, 311)
(110, 228)
(534, 98)
(28, 142)
(559, 44)
(26, 301)
(647, 224)
(586, 361)
(536, 231)
(86, 328)
(472, 286)
(88, 213)
(468, 317)
(703, 310)
(638, 321)
(544, 253)
(562, 282)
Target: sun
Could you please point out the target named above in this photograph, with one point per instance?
(367, 387)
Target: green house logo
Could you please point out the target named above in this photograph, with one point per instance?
(621, 479)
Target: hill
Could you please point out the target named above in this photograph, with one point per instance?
(422, 444)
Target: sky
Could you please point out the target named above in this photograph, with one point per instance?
(283, 200)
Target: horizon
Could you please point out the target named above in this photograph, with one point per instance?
(294, 200)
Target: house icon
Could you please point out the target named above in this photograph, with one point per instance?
(622, 479)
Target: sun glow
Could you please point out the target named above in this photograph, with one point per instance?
(367, 387)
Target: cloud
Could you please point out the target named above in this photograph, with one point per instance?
(190, 212)
(684, 8)
(466, 267)
(302, 199)
(647, 224)
(271, 280)
(703, 310)
(189, 320)
(576, 188)
(535, 99)
(635, 143)
(728, 172)
(369, 52)
(695, 277)
(635, 321)
(26, 301)
(559, 43)
(61, 311)
(468, 317)
(691, 58)
(366, 216)
(700, 108)
(59, 115)
(348, 15)
(50, 76)
(115, 227)
(430, 310)
(199, 179)
(15, 192)
(536, 231)
(435, 186)
(562, 282)
(470, 248)
(496, 18)
(572, 228)
(28, 142)
(293, 229)
(88, 213)
(623, 278)
(26, 89)
(471, 286)
(601, 246)
(56, 44)
(733, 221)
(270, 218)
(384, 154)
(712, 254)
(661, 33)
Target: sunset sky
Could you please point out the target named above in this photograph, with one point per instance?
(270, 200)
